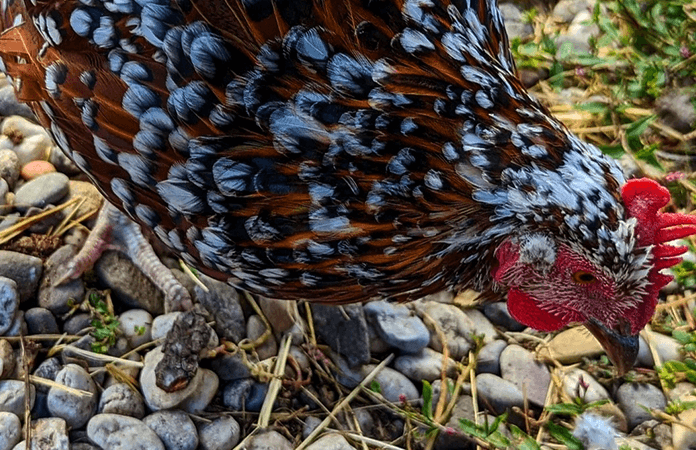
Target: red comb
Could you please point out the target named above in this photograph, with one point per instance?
(643, 199)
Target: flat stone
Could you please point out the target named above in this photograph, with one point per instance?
(117, 432)
(42, 191)
(12, 397)
(500, 394)
(519, 366)
(220, 434)
(571, 346)
(75, 409)
(330, 441)
(10, 430)
(489, 357)
(119, 398)
(174, 428)
(271, 440)
(396, 326)
(425, 365)
(25, 270)
(633, 398)
(345, 332)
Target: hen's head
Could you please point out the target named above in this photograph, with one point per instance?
(552, 282)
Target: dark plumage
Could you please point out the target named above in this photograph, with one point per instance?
(340, 150)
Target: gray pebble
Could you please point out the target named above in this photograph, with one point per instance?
(255, 328)
(58, 299)
(457, 326)
(136, 325)
(42, 191)
(230, 367)
(10, 430)
(12, 396)
(121, 399)
(331, 441)
(271, 440)
(10, 106)
(175, 429)
(155, 398)
(116, 432)
(394, 386)
(498, 314)
(222, 302)
(220, 434)
(162, 324)
(426, 365)
(281, 314)
(667, 348)
(77, 323)
(310, 424)
(256, 397)
(202, 397)
(48, 434)
(9, 303)
(566, 10)
(519, 366)
(18, 327)
(7, 359)
(236, 393)
(489, 357)
(41, 321)
(397, 326)
(500, 394)
(75, 409)
(25, 270)
(128, 284)
(48, 369)
(344, 329)
(514, 21)
(578, 383)
(633, 398)
(4, 190)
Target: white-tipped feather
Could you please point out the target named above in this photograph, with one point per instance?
(596, 432)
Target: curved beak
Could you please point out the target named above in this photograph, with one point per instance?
(621, 346)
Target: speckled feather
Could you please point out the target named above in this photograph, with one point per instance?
(335, 150)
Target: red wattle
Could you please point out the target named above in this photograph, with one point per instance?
(526, 311)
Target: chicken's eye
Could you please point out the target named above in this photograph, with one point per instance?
(582, 277)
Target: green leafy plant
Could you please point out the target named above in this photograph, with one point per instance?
(104, 323)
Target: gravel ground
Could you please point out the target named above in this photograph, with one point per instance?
(79, 358)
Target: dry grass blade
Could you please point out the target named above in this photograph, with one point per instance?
(275, 384)
(343, 403)
(102, 357)
(15, 230)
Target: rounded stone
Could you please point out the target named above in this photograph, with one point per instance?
(10, 430)
(136, 325)
(117, 432)
(519, 366)
(12, 397)
(42, 191)
(9, 167)
(500, 394)
(426, 365)
(9, 303)
(220, 434)
(25, 270)
(175, 429)
(397, 326)
(634, 398)
(41, 321)
(75, 408)
(121, 399)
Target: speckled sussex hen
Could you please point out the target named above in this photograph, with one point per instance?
(342, 150)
